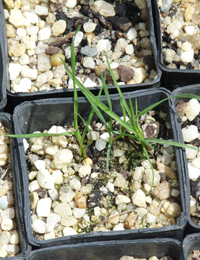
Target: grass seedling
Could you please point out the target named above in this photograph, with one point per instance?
(131, 127)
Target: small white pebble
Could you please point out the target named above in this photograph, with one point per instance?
(21, 32)
(89, 27)
(39, 226)
(190, 30)
(7, 224)
(14, 240)
(75, 184)
(68, 231)
(43, 207)
(39, 164)
(187, 56)
(78, 213)
(131, 34)
(110, 186)
(41, 10)
(44, 34)
(100, 144)
(190, 133)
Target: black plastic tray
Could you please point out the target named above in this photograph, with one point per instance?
(112, 250)
(5, 119)
(42, 114)
(190, 243)
(195, 90)
(171, 78)
(3, 62)
(16, 98)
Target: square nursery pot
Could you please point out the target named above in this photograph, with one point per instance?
(190, 243)
(176, 71)
(40, 115)
(195, 90)
(140, 249)
(128, 16)
(11, 212)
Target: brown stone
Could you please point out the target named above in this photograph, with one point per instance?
(181, 106)
(62, 40)
(104, 69)
(103, 35)
(52, 50)
(81, 203)
(101, 68)
(80, 200)
(130, 220)
(125, 73)
(151, 129)
(143, 14)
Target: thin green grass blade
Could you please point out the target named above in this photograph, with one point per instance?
(124, 113)
(134, 121)
(86, 127)
(137, 122)
(87, 123)
(110, 119)
(92, 99)
(141, 141)
(103, 78)
(73, 63)
(132, 116)
(187, 96)
(124, 104)
(108, 155)
(90, 118)
(146, 110)
(39, 135)
(169, 142)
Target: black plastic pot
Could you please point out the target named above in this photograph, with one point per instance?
(5, 119)
(195, 90)
(42, 114)
(171, 78)
(3, 63)
(112, 250)
(190, 243)
(16, 98)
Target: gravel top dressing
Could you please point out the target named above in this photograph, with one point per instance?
(180, 33)
(189, 114)
(40, 33)
(70, 195)
(9, 238)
